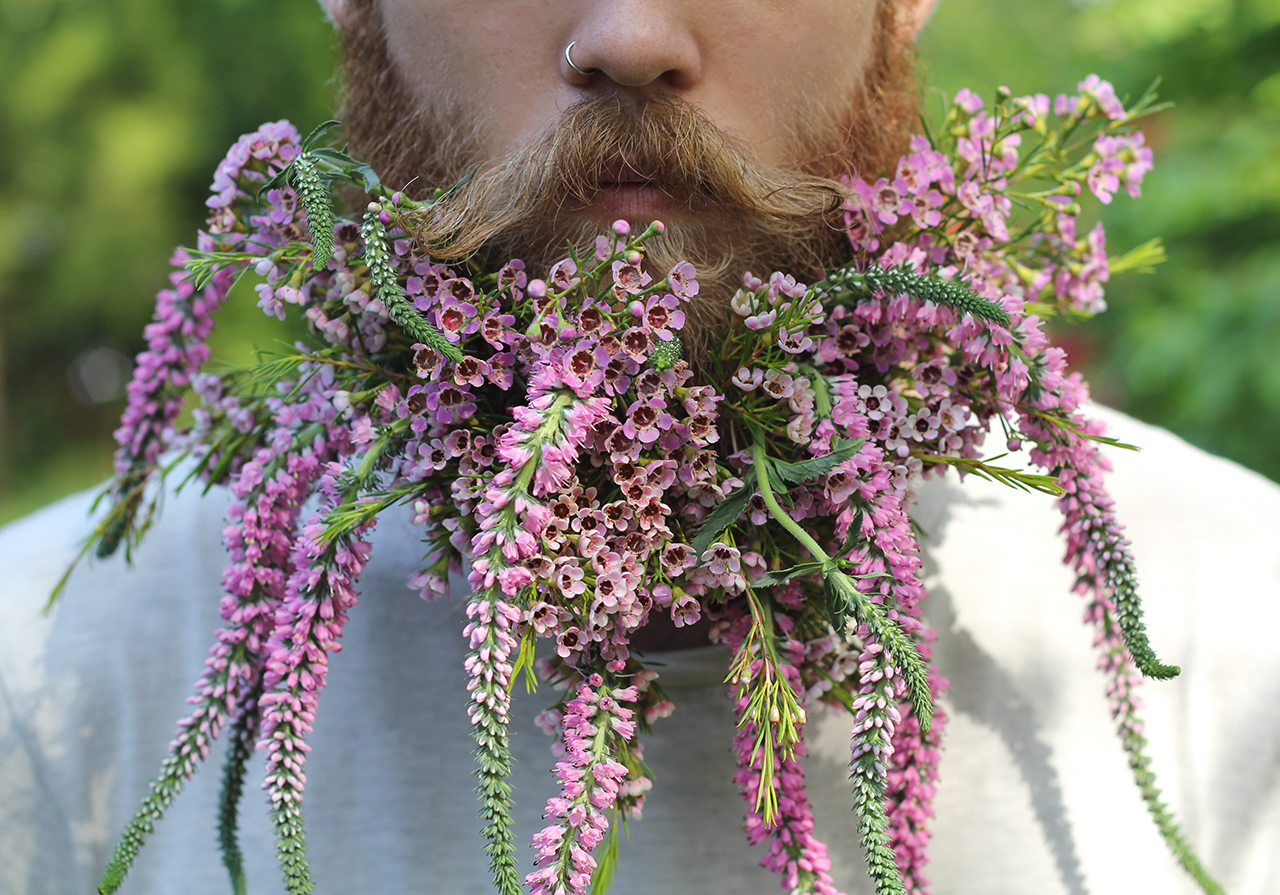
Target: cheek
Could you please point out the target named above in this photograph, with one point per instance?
(768, 72)
(493, 59)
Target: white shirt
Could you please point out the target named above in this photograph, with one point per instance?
(1034, 797)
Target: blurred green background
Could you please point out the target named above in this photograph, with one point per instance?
(113, 114)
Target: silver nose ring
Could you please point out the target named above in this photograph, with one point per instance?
(569, 59)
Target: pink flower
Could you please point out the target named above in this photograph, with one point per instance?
(968, 101)
(661, 315)
(1102, 93)
(681, 282)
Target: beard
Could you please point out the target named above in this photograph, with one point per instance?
(746, 216)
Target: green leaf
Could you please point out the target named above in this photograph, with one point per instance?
(807, 470)
(723, 516)
(1113, 442)
(280, 179)
(838, 604)
(344, 167)
(854, 536)
(769, 579)
(319, 131)
(606, 861)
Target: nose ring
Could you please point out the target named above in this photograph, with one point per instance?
(569, 59)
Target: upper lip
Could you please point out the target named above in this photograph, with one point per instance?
(622, 172)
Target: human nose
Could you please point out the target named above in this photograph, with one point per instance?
(634, 44)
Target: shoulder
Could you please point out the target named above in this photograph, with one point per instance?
(103, 599)
(1025, 696)
(1166, 473)
(90, 686)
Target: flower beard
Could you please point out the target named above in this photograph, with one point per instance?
(746, 216)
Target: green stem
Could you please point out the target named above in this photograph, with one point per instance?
(864, 610)
(776, 511)
(239, 751)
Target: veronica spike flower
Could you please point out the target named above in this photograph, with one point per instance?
(1099, 553)
(536, 453)
(876, 717)
(260, 540)
(162, 374)
(591, 780)
(307, 628)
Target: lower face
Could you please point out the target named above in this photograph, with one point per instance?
(759, 70)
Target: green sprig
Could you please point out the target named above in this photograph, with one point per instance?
(870, 284)
(318, 204)
(524, 662)
(843, 598)
(389, 292)
(607, 857)
(983, 469)
(771, 704)
(728, 510)
(205, 265)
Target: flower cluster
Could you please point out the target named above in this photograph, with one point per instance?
(545, 430)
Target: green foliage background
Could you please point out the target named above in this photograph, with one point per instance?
(113, 114)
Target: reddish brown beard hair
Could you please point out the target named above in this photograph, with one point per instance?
(781, 219)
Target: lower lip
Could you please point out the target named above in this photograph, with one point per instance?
(639, 203)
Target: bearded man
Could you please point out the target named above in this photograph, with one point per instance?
(730, 120)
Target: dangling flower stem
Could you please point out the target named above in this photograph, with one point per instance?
(842, 589)
(240, 740)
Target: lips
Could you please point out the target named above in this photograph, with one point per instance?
(630, 195)
(636, 201)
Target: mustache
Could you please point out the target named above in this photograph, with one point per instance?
(600, 141)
